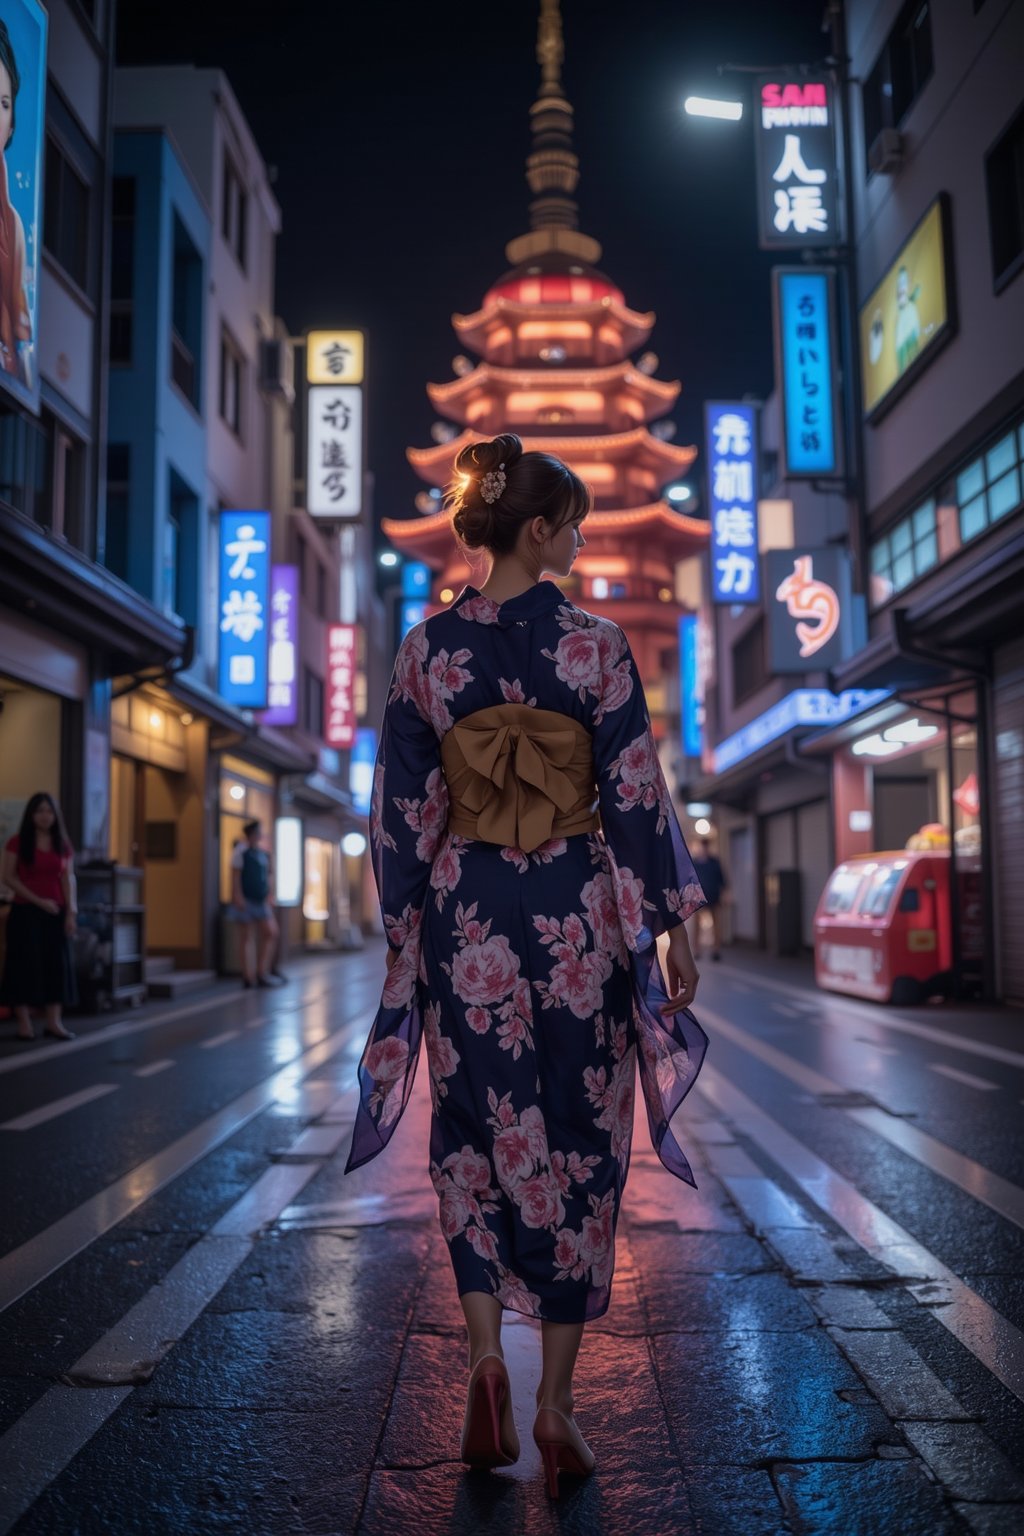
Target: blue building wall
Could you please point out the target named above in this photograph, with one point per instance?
(165, 434)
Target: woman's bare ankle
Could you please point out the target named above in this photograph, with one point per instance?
(561, 1400)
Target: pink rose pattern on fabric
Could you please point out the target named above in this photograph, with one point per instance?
(503, 956)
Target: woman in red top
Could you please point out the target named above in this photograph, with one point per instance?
(38, 866)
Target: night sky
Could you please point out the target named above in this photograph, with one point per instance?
(399, 135)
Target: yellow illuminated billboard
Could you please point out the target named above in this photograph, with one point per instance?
(908, 314)
(334, 357)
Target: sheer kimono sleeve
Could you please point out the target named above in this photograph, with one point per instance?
(409, 809)
(656, 885)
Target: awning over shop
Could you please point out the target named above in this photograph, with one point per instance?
(316, 791)
(55, 584)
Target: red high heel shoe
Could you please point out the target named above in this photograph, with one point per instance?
(562, 1447)
(489, 1391)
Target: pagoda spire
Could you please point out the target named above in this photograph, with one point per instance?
(552, 169)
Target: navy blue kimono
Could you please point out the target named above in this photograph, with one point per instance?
(531, 974)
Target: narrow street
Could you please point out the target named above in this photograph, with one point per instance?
(208, 1328)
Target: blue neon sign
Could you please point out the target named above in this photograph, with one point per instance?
(244, 608)
(691, 708)
(804, 706)
(731, 437)
(416, 580)
(806, 362)
(360, 768)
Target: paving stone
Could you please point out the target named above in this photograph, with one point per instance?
(154, 1473)
(992, 1519)
(281, 1360)
(808, 1255)
(869, 1498)
(330, 1273)
(424, 1422)
(721, 1302)
(752, 1396)
(846, 1306)
(905, 1386)
(765, 1205)
(966, 1462)
(734, 1501)
(700, 1253)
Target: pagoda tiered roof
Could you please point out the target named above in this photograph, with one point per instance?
(637, 447)
(476, 331)
(652, 396)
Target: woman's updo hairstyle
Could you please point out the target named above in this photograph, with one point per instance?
(535, 485)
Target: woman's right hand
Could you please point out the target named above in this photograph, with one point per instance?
(51, 907)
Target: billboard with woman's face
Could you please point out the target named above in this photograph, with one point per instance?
(22, 120)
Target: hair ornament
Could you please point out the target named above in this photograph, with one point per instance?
(493, 484)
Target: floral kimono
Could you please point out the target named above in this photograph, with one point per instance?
(530, 969)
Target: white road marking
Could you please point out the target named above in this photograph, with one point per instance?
(39, 1445)
(990, 1188)
(883, 1018)
(222, 1039)
(26, 1266)
(153, 1068)
(967, 1078)
(989, 1336)
(34, 1117)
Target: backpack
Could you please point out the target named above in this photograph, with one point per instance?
(255, 875)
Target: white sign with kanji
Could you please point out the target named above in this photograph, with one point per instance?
(334, 457)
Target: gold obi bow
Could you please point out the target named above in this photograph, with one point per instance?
(518, 776)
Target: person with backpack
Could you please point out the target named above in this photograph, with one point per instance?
(252, 906)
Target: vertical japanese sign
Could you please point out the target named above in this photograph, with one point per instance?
(22, 119)
(341, 679)
(283, 670)
(806, 370)
(691, 703)
(244, 604)
(335, 373)
(731, 436)
(797, 178)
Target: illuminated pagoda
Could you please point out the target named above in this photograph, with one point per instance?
(554, 338)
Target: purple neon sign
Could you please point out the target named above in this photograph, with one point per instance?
(283, 665)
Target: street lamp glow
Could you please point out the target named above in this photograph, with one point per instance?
(388, 557)
(708, 106)
(679, 492)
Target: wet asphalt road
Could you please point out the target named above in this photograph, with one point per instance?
(206, 1327)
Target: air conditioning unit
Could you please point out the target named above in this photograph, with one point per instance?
(277, 368)
(885, 156)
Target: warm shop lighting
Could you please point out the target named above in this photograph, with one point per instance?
(388, 557)
(353, 844)
(702, 827)
(446, 594)
(708, 106)
(237, 791)
(186, 718)
(156, 719)
(665, 594)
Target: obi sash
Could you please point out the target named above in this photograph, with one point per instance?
(519, 776)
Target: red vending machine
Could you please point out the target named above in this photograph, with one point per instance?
(882, 929)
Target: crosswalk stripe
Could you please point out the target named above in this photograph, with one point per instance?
(221, 1039)
(153, 1068)
(989, 1336)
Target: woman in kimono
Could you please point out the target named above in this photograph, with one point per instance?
(527, 856)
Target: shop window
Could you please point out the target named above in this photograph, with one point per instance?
(67, 508)
(749, 662)
(66, 215)
(234, 210)
(990, 487)
(901, 71)
(25, 454)
(1004, 180)
(122, 269)
(232, 382)
(186, 315)
(115, 547)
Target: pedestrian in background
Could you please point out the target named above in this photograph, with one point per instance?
(527, 856)
(714, 884)
(252, 882)
(38, 866)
